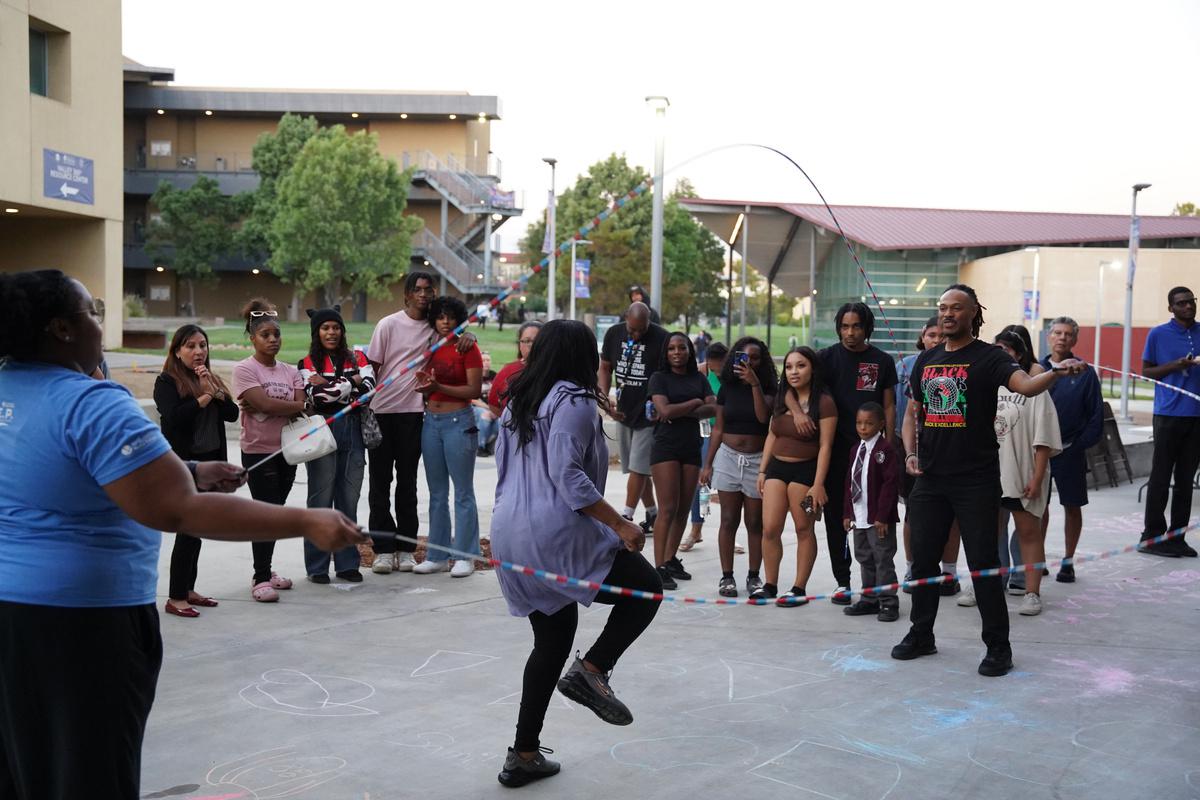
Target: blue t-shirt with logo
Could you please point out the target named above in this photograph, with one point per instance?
(63, 541)
(1171, 342)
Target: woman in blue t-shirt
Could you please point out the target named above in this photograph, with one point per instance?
(89, 481)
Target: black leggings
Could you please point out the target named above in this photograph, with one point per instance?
(553, 635)
(269, 483)
(185, 555)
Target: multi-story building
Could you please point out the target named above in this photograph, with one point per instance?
(177, 133)
(60, 143)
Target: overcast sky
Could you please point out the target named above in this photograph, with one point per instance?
(1038, 106)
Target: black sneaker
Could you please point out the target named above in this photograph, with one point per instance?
(352, 575)
(997, 662)
(675, 567)
(668, 581)
(1066, 574)
(841, 597)
(753, 584)
(591, 689)
(951, 587)
(727, 587)
(763, 592)
(1183, 548)
(888, 613)
(518, 772)
(1159, 549)
(860, 608)
(321, 578)
(910, 647)
(647, 526)
(794, 596)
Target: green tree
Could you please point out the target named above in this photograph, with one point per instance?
(195, 228)
(339, 220)
(1186, 210)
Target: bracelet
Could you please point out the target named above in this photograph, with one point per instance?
(910, 455)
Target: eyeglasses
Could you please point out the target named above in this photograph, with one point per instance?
(96, 312)
(525, 341)
(257, 314)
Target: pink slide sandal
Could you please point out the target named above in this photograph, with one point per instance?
(264, 592)
(279, 582)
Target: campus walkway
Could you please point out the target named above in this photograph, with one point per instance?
(407, 686)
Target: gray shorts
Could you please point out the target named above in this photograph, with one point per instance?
(736, 472)
(635, 449)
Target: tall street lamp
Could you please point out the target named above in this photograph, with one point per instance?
(1127, 337)
(573, 243)
(551, 304)
(659, 104)
(1099, 309)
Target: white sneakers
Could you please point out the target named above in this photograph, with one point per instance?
(428, 567)
(966, 598)
(383, 563)
(462, 568)
(405, 562)
(1031, 605)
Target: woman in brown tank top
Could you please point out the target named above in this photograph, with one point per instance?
(792, 477)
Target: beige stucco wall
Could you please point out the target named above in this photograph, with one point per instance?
(1068, 279)
(82, 239)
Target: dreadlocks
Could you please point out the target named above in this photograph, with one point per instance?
(977, 320)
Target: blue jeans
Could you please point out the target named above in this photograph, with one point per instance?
(449, 442)
(696, 518)
(335, 481)
(488, 428)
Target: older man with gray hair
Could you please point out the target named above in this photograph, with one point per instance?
(1080, 408)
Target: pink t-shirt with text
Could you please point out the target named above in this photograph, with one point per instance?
(261, 432)
(397, 340)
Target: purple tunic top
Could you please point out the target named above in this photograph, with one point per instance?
(539, 491)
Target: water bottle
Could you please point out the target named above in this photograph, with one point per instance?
(650, 410)
(705, 495)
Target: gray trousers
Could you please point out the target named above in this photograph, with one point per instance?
(877, 559)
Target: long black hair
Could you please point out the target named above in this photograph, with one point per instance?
(1017, 345)
(317, 352)
(692, 366)
(932, 322)
(30, 300)
(865, 315)
(766, 367)
(1026, 339)
(816, 386)
(977, 320)
(565, 350)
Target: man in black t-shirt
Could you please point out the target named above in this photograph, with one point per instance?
(956, 461)
(855, 372)
(631, 352)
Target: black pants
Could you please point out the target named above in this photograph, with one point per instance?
(399, 451)
(1176, 456)
(185, 554)
(76, 686)
(933, 505)
(553, 635)
(270, 483)
(835, 531)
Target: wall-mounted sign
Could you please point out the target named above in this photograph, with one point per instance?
(68, 177)
(160, 147)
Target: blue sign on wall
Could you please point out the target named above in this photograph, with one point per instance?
(68, 177)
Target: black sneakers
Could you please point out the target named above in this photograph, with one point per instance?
(795, 596)
(668, 580)
(911, 647)
(1163, 549)
(951, 587)
(841, 595)
(675, 567)
(727, 587)
(1066, 574)
(997, 662)
(591, 689)
(518, 772)
(861, 608)
(888, 613)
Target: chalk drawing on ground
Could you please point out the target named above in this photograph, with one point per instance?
(272, 774)
(290, 691)
(850, 658)
(748, 680)
(669, 752)
(739, 712)
(1037, 758)
(1114, 739)
(514, 699)
(821, 770)
(443, 661)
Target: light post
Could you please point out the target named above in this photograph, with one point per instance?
(1127, 334)
(573, 243)
(1034, 301)
(1099, 309)
(551, 305)
(659, 104)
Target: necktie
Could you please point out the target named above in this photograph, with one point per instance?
(856, 474)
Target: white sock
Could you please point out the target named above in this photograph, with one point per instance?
(951, 567)
(628, 512)
(651, 512)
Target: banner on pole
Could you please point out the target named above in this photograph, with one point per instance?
(583, 274)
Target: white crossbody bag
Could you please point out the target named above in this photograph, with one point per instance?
(298, 449)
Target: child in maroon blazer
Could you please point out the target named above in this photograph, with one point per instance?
(870, 512)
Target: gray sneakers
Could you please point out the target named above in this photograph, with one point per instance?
(591, 689)
(518, 772)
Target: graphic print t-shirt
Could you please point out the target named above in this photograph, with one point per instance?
(633, 364)
(958, 393)
(853, 379)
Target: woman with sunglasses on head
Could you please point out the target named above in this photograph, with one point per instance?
(450, 380)
(89, 483)
(271, 393)
(550, 513)
(193, 406)
(498, 396)
(748, 385)
(681, 397)
(334, 377)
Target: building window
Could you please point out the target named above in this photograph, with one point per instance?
(39, 63)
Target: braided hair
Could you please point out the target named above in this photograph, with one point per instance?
(977, 320)
(30, 300)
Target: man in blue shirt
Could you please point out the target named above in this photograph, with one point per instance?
(1172, 355)
(1081, 419)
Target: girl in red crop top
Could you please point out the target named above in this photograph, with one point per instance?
(792, 477)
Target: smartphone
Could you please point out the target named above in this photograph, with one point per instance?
(741, 357)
